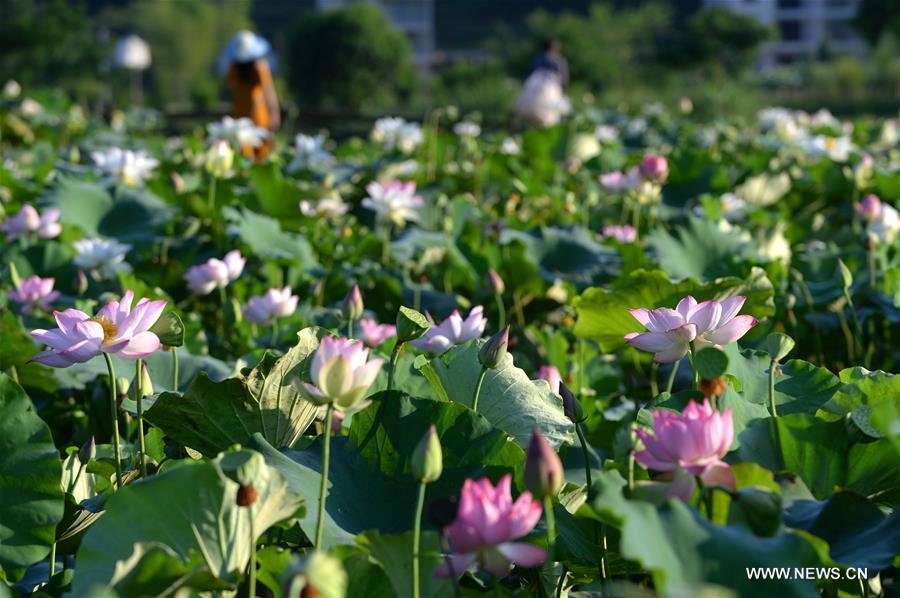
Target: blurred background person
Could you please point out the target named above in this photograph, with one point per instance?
(543, 101)
(249, 78)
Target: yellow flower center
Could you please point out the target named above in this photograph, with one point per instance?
(109, 328)
(830, 142)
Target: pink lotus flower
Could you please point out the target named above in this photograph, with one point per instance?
(689, 444)
(551, 375)
(265, 309)
(655, 168)
(340, 373)
(203, 279)
(453, 331)
(623, 234)
(34, 293)
(619, 181)
(117, 328)
(672, 331)
(394, 202)
(29, 222)
(374, 334)
(486, 523)
(869, 209)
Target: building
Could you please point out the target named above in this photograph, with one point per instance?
(415, 18)
(806, 28)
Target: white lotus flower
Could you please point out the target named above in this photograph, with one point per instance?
(310, 153)
(394, 202)
(239, 132)
(123, 166)
(103, 257)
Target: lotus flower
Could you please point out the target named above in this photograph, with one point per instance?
(620, 181)
(623, 234)
(324, 208)
(869, 209)
(397, 133)
(374, 334)
(340, 373)
(127, 167)
(453, 331)
(466, 128)
(104, 257)
(117, 328)
(265, 309)
(394, 202)
(216, 273)
(310, 153)
(486, 523)
(655, 168)
(29, 222)
(34, 293)
(551, 375)
(239, 132)
(886, 227)
(689, 444)
(671, 331)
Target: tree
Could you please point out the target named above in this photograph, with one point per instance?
(351, 58)
(875, 17)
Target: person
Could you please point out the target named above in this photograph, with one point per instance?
(250, 80)
(543, 101)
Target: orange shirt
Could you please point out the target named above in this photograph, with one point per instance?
(249, 99)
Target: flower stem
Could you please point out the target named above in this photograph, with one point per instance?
(114, 414)
(52, 562)
(174, 369)
(211, 200)
(417, 533)
(323, 487)
(386, 244)
(349, 327)
(551, 526)
(275, 331)
(478, 388)
(395, 355)
(501, 311)
(584, 450)
(139, 398)
(671, 380)
(772, 365)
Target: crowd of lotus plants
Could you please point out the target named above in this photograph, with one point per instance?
(631, 354)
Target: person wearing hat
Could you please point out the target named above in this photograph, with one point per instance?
(250, 81)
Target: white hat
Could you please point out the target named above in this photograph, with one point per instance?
(247, 46)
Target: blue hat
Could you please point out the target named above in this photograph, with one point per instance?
(246, 46)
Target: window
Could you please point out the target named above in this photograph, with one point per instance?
(791, 31)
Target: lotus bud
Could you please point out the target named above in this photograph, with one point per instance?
(219, 159)
(495, 282)
(846, 275)
(123, 385)
(494, 350)
(571, 404)
(146, 382)
(411, 325)
(81, 282)
(88, 451)
(543, 469)
(428, 459)
(778, 345)
(353, 304)
(758, 509)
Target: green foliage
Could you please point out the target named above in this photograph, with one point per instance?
(31, 499)
(350, 58)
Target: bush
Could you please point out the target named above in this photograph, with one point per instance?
(350, 58)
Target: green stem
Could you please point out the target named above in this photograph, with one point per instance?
(386, 244)
(551, 526)
(561, 582)
(776, 433)
(417, 533)
(417, 296)
(501, 311)
(671, 380)
(211, 200)
(139, 399)
(654, 385)
(323, 487)
(584, 450)
(251, 591)
(14, 374)
(174, 369)
(704, 498)
(631, 470)
(350, 328)
(478, 388)
(52, 561)
(114, 415)
(395, 354)
(581, 377)
(693, 368)
(857, 327)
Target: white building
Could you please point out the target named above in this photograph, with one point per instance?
(415, 18)
(805, 27)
